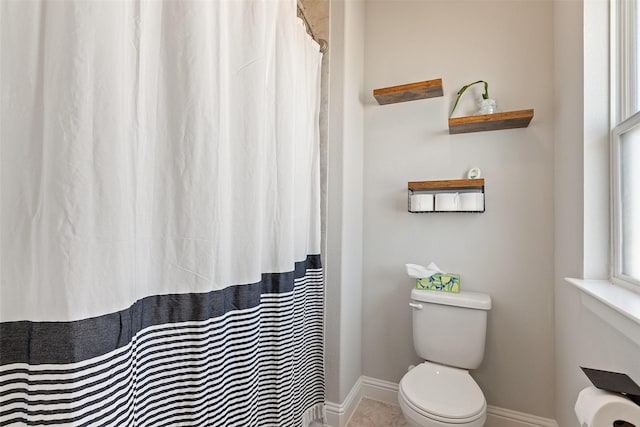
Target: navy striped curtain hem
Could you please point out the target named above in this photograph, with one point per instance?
(38, 343)
(247, 355)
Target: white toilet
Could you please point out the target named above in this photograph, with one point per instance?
(449, 331)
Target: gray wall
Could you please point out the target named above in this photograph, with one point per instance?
(582, 338)
(344, 208)
(507, 251)
(535, 54)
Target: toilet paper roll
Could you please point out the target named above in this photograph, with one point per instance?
(421, 202)
(471, 201)
(447, 201)
(595, 408)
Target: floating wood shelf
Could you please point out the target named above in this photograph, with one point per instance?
(449, 184)
(409, 92)
(485, 122)
(446, 186)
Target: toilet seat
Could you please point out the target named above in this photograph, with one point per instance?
(442, 393)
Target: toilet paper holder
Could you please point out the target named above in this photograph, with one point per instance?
(599, 408)
(615, 382)
(451, 186)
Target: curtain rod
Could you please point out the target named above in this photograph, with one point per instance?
(324, 46)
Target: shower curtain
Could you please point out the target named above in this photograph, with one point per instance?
(159, 217)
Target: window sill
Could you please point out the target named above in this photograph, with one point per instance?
(616, 305)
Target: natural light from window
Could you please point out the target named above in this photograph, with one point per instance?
(625, 143)
(635, 47)
(616, 299)
(630, 203)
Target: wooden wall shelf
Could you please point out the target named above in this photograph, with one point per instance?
(486, 122)
(409, 92)
(432, 188)
(448, 184)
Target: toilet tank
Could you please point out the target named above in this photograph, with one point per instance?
(450, 328)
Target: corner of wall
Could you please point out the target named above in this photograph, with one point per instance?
(344, 208)
(568, 189)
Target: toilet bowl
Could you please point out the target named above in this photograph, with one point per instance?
(433, 395)
(449, 331)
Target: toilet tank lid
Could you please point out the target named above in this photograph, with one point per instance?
(464, 299)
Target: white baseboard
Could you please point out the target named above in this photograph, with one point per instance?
(381, 390)
(338, 415)
(501, 417)
(387, 392)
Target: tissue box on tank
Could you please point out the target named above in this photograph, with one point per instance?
(440, 282)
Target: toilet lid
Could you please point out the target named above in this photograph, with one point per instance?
(443, 391)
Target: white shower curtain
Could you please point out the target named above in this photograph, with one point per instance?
(159, 214)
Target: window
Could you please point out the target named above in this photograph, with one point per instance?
(625, 142)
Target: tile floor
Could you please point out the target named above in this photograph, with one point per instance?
(371, 413)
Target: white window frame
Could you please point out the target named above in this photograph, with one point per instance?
(624, 65)
(617, 276)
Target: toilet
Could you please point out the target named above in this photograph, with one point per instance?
(449, 331)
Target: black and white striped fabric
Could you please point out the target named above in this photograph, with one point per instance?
(248, 355)
(160, 218)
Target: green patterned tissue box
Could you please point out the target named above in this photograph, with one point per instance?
(440, 282)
